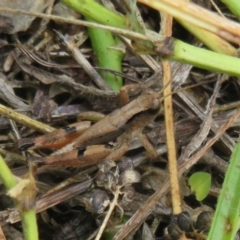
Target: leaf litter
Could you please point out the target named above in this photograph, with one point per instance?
(43, 90)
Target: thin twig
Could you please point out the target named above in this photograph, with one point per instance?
(23, 119)
(198, 139)
(76, 22)
(166, 30)
(78, 56)
(113, 204)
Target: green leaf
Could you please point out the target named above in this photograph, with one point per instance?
(226, 218)
(200, 183)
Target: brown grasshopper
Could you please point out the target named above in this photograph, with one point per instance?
(78, 153)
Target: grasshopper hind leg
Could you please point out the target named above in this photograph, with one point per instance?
(151, 151)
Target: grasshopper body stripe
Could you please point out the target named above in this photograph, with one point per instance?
(69, 129)
(92, 155)
(115, 120)
(81, 152)
(56, 139)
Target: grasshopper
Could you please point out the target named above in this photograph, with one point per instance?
(78, 153)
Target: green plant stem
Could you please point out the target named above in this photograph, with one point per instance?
(6, 175)
(28, 216)
(226, 217)
(91, 10)
(205, 59)
(97, 12)
(103, 43)
(183, 52)
(29, 223)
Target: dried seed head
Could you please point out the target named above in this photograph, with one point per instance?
(204, 221)
(108, 180)
(129, 177)
(173, 219)
(174, 231)
(99, 201)
(106, 166)
(185, 222)
(125, 164)
(108, 177)
(111, 181)
(128, 193)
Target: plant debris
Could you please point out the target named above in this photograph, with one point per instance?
(90, 187)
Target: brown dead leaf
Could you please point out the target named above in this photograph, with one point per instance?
(43, 105)
(69, 110)
(5, 24)
(10, 23)
(7, 94)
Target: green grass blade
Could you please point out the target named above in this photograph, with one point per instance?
(205, 59)
(6, 175)
(103, 42)
(181, 51)
(234, 6)
(29, 223)
(225, 221)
